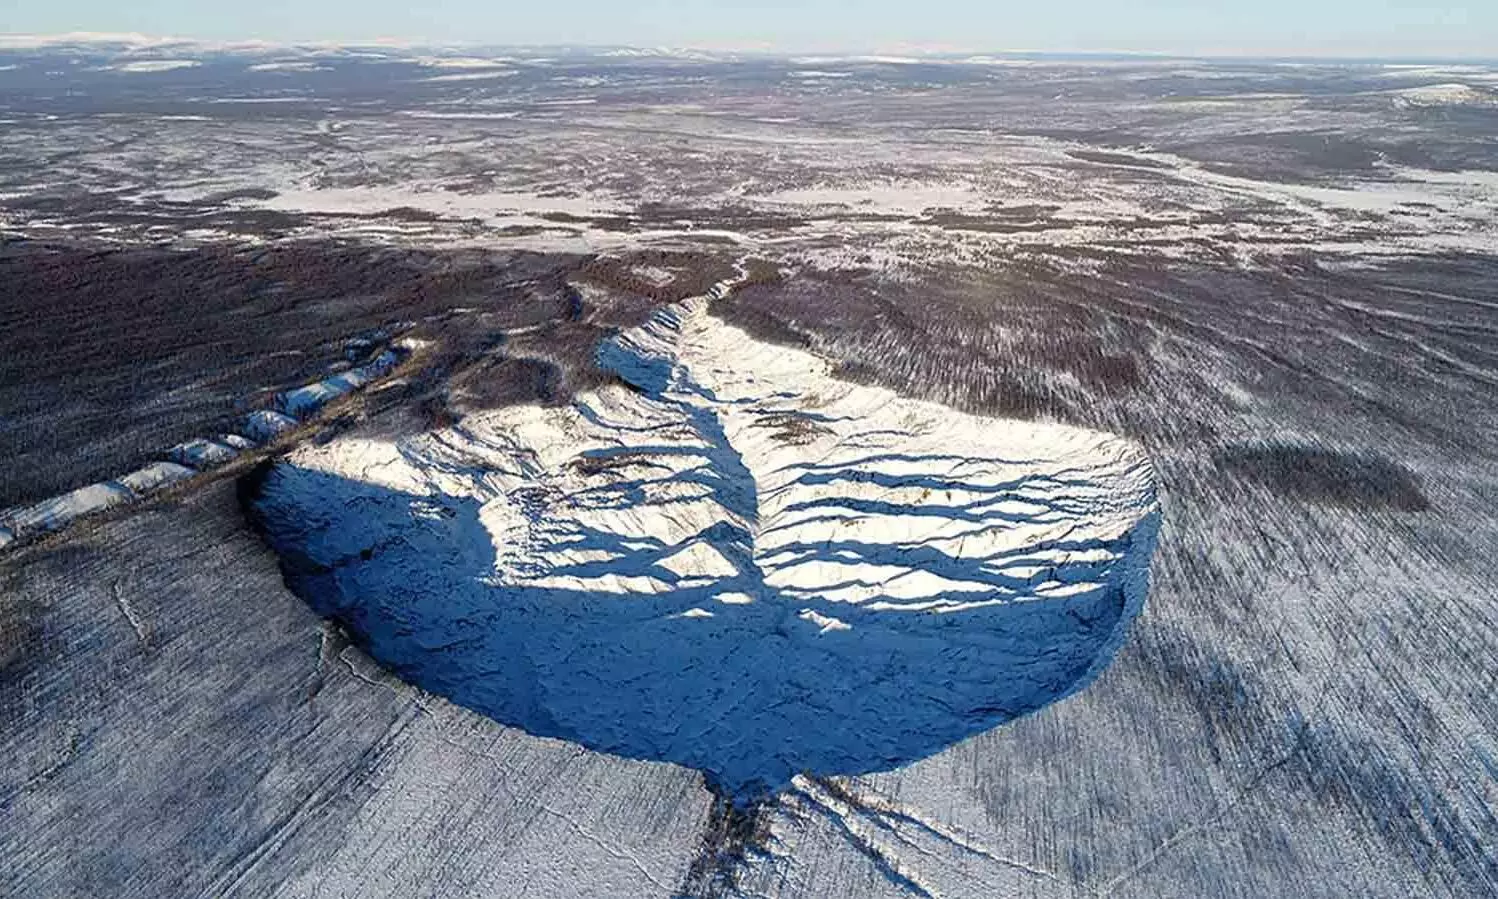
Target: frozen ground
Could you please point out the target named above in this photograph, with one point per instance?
(1272, 281)
(942, 158)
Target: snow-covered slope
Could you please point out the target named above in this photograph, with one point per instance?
(729, 559)
(1452, 94)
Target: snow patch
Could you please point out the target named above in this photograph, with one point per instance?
(654, 275)
(826, 623)
(203, 454)
(155, 477)
(895, 197)
(266, 425)
(155, 65)
(308, 400)
(58, 512)
(1444, 95)
(296, 66)
(472, 76)
(460, 116)
(464, 62)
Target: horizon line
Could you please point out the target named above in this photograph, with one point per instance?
(14, 41)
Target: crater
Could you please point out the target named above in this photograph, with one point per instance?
(727, 559)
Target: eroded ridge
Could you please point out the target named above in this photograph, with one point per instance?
(729, 560)
(187, 460)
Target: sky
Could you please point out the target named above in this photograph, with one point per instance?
(1374, 28)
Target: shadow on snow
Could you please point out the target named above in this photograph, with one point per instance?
(752, 695)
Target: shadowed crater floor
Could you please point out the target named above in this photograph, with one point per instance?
(729, 560)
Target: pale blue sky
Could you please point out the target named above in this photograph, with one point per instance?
(1290, 27)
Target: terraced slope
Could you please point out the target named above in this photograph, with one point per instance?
(729, 559)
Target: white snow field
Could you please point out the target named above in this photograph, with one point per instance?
(729, 560)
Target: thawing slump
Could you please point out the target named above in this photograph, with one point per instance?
(728, 560)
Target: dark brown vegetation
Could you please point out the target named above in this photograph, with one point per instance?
(592, 465)
(1349, 479)
(999, 353)
(791, 428)
(733, 834)
(988, 224)
(485, 361)
(695, 274)
(108, 357)
(1105, 158)
(22, 638)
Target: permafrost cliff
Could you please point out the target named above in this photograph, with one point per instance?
(728, 559)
